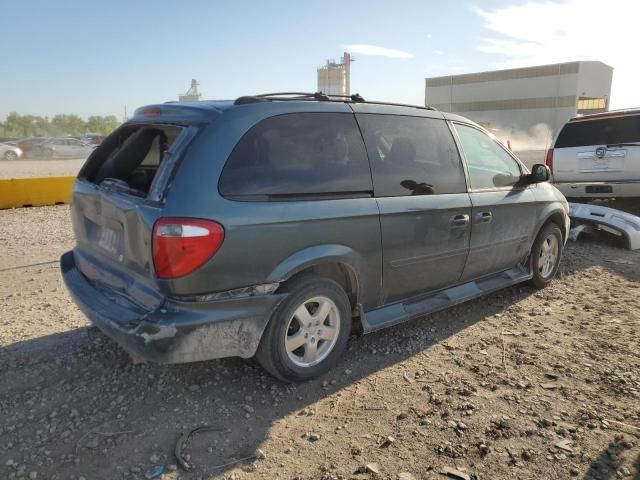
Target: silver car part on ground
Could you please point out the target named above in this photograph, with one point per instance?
(608, 219)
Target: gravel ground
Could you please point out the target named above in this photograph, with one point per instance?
(521, 384)
(40, 168)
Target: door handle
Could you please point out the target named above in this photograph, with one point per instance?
(483, 217)
(459, 220)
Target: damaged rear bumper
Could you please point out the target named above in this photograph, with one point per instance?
(176, 332)
(609, 219)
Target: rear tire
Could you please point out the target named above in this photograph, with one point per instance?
(308, 332)
(545, 255)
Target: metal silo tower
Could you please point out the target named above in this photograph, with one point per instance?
(335, 78)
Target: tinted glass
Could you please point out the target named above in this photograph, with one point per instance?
(299, 154)
(606, 131)
(490, 166)
(411, 155)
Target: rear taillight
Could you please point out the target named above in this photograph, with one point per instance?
(182, 245)
(549, 159)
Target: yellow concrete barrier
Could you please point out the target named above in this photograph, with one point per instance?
(32, 192)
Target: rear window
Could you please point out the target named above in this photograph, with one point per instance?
(605, 131)
(298, 154)
(131, 156)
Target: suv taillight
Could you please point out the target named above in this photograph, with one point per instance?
(182, 245)
(549, 159)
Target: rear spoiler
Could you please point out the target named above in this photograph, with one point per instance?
(609, 114)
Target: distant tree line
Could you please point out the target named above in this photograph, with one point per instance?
(17, 125)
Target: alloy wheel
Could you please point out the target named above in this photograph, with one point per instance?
(312, 331)
(548, 255)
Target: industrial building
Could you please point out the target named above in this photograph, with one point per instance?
(517, 101)
(192, 95)
(335, 78)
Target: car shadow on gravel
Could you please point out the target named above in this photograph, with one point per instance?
(610, 464)
(104, 415)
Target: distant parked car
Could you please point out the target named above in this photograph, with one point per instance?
(65, 148)
(28, 144)
(598, 156)
(9, 152)
(92, 139)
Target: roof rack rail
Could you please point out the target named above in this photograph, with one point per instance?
(266, 97)
(356, 97)
(393, 104)
(318, 96)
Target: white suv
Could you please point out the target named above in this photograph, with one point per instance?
(598, 156)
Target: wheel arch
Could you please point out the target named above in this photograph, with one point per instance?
(337, 262)
(556, 216)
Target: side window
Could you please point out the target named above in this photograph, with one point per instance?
(412, 155)
(299, 154)
(490, 166)
(161, 143)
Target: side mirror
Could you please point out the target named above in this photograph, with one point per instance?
(539, 173)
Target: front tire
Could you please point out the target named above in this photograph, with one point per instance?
(10, 155)
(308, 332)
(545, 255)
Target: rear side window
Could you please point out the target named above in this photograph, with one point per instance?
(159, 146)
(605, 131)
(298, 154)
(412, 155)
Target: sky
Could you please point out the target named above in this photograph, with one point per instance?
(96, 58)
